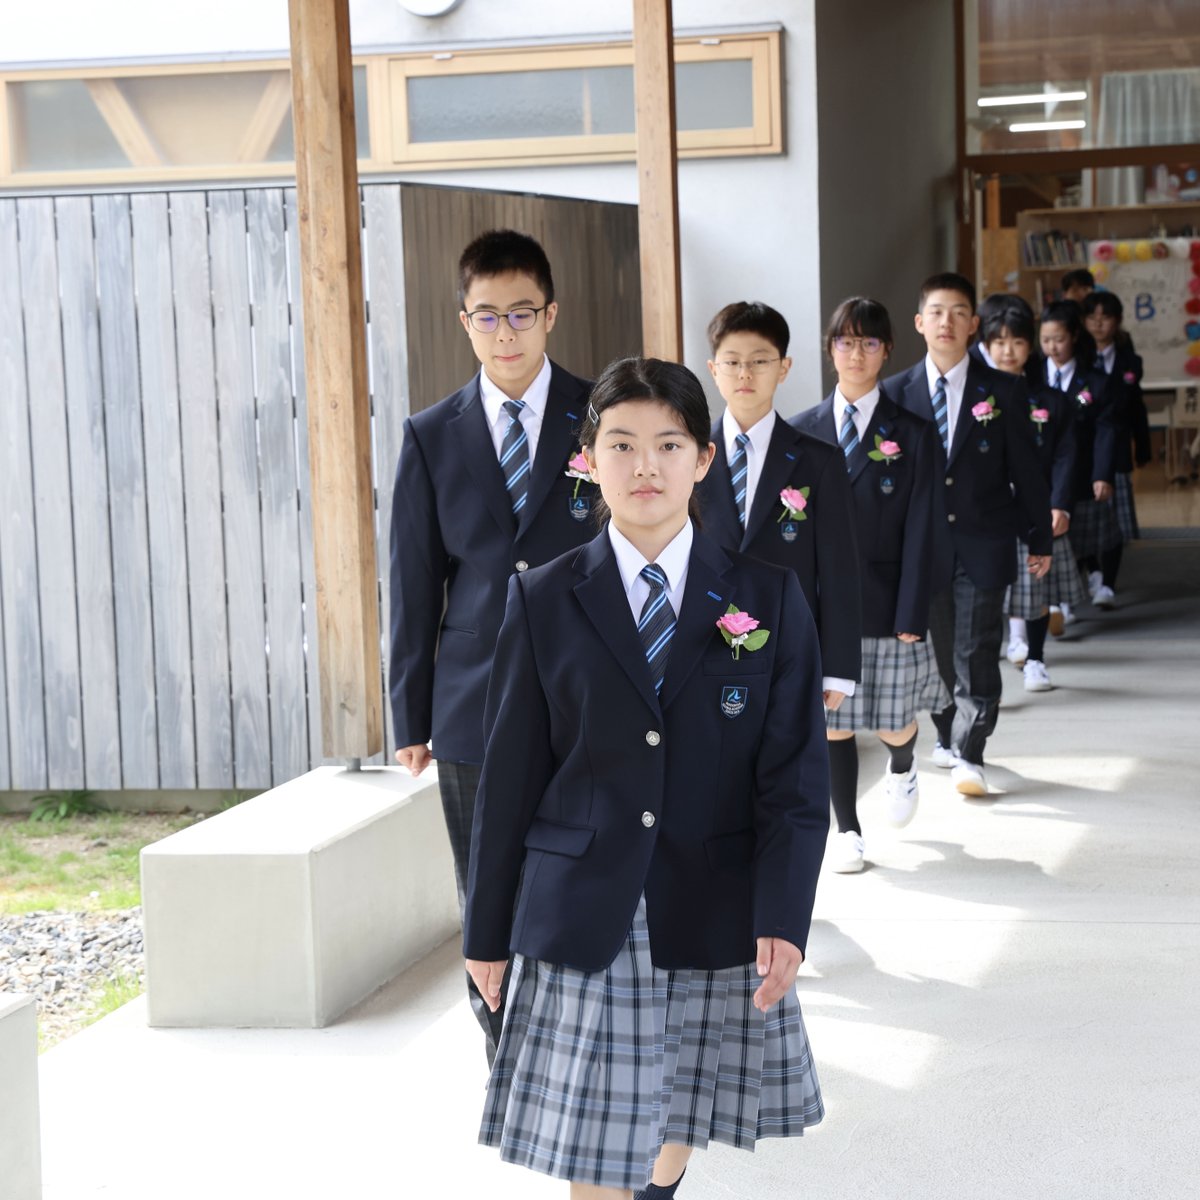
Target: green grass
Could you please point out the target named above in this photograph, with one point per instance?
(112, 995)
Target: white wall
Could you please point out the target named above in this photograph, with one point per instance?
(748, 225)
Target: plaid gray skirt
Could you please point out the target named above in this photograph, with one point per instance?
(597, 1070)
(1065, 584)
(898, 682)
(1027, 597)
(1127, 521)
(1093, 527)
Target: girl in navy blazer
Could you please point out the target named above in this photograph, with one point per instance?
(1009, 335)
(888, 455)
(649, 826)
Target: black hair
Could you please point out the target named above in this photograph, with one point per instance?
(1068, 314)
(502, 252)
(750, 316)
(859, 316)
(947, 281)
(1015, 316)
(1107, 302)
(656, 381)
(1080, 277)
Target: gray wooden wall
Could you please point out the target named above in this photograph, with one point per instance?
(155, 551)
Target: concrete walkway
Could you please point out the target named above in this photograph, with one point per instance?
(1006, 1004)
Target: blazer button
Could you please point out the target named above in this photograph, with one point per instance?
(648, 819)
(653, 738)
(522, 565)
(951, 518)
(949, 481)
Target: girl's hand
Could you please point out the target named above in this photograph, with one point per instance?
(488, 977)
(909, 638)
(415, 758)
(1060, 521)
(1038, 564)
(1102, 490)
(833, 700)
(778, 962)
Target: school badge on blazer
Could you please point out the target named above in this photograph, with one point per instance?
(580, 507)
(887, 485)
(733, 700)
(789, 531)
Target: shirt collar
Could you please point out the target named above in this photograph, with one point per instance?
(759, 434)
(956, 377)
(673, 560)
(1109, 354)
(1067, 369)
(864, 405)
(535, 397)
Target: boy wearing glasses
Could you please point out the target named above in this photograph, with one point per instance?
(481, 492)
(778, 494)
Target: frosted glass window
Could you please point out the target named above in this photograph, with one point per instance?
(56, 126)
(714, 95)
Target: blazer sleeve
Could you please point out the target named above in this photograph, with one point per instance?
(1029, 484)
(839, 595)
(1139, 415)
(1062, 463)
(1110, 429)
(791, 807)
(518, 764)
(416, 589)
(912, 603)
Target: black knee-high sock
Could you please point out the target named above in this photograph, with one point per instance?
(652, 1191)
(900, 758)
(1035, 635)
(1110, 564)
(843, 783)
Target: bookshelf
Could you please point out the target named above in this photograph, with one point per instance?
(1053, 240)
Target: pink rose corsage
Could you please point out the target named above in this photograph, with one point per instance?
(795, 501)
(741, 629)
(1085, 398)
(1039, 416)
(1130, 377)
(885, 451)
(577, 469)
(985, 410)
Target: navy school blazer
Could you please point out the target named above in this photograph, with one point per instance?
(820, 550)
(711, 799)
(893, 509)
(1054, 439)
(455, 542)
(1126, 381)
(989, 490)
(1097, 426)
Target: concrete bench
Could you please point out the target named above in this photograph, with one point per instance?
(290, 908)
(20, 1128)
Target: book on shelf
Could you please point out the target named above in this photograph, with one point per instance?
(1054, 248)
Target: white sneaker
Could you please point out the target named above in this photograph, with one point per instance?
(1018, 652)
(968, 779)
(943, 756)
(1103, 597)
(1068, 615)
(1037, 678)
(1095, 582)
(901, 791)
(846, 852)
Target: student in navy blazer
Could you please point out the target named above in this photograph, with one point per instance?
(653, 800)
(458, 531)
(749, 347)
(888, 456)
(988, 491)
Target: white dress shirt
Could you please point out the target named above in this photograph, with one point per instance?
(756, 452)
(535, 398)
(1067, 369)
(1109, 357)
(673, 562)
(956, 382)
(864, 413)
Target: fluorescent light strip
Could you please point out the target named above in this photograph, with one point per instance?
(1036, 126)
(1033, 98)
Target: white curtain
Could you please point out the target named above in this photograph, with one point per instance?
(1143, 108)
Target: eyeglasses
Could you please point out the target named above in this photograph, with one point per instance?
(846, 344)
(483, 320)
(735, 366)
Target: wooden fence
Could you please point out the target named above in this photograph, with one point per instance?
(155, 550)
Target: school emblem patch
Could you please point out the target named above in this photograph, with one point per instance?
(733, 700)
(789, 531)
(887, 485)
(580, 507)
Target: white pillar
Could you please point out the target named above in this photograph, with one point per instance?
(20, 1127)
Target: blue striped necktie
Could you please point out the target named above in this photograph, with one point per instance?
(656, 625)
(514, 456)
(739, 467)
(941, 413)
(849, 435)
(1058, 378)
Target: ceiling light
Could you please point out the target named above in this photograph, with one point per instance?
(1032, 98)
(1035, 126)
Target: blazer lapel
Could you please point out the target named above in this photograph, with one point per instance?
(883, 425)
(719, 510)
(705, 599)
(470, 430)
(556, 444)
(782, 453)
(974, 389)
(602, 595)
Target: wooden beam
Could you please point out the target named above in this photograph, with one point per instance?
(339, 420)
(125, 124)
(658, 194)
(992, 210)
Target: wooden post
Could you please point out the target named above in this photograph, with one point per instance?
(658, 196)
(335, 358)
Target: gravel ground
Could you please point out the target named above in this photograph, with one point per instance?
(65, 959)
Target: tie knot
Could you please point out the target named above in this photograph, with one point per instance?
(513, 408)
(942, 382)
(851, 410)
(655, 576)
(743, 440)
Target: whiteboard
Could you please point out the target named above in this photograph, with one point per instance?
(1158, 281)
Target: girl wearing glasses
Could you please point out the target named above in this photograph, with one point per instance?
(888, 455)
